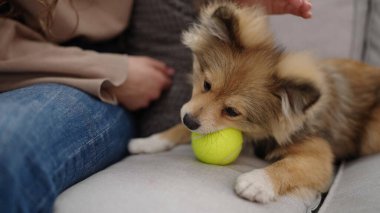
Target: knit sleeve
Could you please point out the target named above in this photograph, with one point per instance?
(27, 58)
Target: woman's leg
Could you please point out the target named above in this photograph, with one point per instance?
(52, 136)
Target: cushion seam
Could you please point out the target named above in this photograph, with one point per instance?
(333, 189)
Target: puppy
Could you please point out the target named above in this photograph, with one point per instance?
(302, 113)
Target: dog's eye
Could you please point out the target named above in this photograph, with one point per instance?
(230, 111)
(206, 86)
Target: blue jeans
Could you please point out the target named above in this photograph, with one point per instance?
(52, 136)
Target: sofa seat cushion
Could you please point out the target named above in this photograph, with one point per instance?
(167, 182)
(356, 188)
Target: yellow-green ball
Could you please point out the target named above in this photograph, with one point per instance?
(219, 148)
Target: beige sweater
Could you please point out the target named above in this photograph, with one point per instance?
(30, 55)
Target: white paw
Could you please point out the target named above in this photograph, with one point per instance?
(255, 186)
(151, 144)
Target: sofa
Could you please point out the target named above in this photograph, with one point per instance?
(175, 181)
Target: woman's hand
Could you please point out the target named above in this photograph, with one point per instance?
(147, 78)
(300, 8)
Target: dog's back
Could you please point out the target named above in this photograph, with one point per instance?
(353, 105)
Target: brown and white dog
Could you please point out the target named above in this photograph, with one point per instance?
(304, 112)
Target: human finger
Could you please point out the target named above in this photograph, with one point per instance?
(306, 10)
(161, 66)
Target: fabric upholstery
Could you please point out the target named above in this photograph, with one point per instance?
(155, 30)
(327, 34)
(356, 188)
(169, 182)
(371, 43)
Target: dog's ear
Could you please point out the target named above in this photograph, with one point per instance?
(296, 97)
(298, 83)
(225, 26)
(218, 22)
(242, 27)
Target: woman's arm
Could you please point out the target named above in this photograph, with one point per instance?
(27, 58)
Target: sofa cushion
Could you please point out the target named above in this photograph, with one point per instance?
(168, 182)
(155, 31)
(327, 34)
(356, 188)
(371, 43)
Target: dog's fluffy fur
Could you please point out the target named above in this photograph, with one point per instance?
(302, 113)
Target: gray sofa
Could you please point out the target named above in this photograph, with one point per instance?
(175, 182)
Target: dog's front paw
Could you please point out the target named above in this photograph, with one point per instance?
(255, 186)
(151, 144)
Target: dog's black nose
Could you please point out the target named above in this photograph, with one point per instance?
(190, 122)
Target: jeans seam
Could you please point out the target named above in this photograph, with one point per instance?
(49, 101)
(89, 142)
(56, 172)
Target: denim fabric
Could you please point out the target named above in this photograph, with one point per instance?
(52, 136)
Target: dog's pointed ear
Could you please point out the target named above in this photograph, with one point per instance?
(225, 26)
(242, 27)
(298, 83)
(296, 97)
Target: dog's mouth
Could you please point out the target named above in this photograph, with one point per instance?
(204, 131)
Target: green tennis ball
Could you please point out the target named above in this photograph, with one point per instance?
(219, 148)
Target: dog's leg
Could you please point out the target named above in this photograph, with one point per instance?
(162, 141)
(305, 169)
